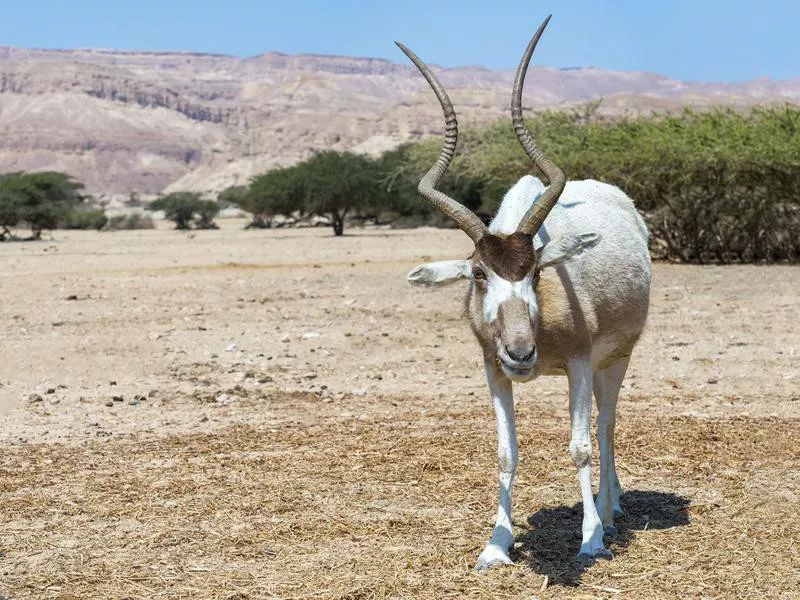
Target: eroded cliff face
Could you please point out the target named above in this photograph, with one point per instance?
(153, 122)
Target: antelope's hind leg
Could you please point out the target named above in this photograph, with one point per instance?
(606, 386)
(579, 373)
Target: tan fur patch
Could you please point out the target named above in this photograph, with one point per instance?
(512, 257)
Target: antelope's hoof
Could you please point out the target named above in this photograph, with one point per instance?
(492, 556)
(586, 558)
(610, 531)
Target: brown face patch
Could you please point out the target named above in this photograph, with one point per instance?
(512, 257)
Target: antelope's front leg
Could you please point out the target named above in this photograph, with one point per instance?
(496, 551)
(579, 373)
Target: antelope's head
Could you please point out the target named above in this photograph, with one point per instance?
(504, 268)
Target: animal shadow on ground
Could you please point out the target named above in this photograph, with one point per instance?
(554, 537)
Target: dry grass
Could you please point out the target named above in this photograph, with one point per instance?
(398, 504)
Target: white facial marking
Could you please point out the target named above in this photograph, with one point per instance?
(498, 290)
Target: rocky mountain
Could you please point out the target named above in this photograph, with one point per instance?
(149, 122)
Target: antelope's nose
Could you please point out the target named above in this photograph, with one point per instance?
(519, 355)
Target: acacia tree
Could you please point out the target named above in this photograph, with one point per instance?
(10, 202)
(187, 209)
(232, 195)
(276, 192)
(41, 200)
(340, 183)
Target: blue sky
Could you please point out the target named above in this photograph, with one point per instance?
(705, 40)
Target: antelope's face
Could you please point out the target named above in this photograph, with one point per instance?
(503, 307)
(503, 303)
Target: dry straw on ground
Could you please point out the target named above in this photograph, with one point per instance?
(397, 507)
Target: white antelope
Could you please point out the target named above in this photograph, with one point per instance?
(559, 284)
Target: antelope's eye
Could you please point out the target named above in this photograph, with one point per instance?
(478, 274)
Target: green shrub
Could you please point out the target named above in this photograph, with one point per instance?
(276, 192)
(187, 210)
(41, 200)
(206, 211)
(716, 186)
(86, 219)
(130, 221)
(719, 186)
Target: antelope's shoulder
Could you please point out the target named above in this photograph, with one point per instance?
(516, 202)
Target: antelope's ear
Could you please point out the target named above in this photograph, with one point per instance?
(563, 249)
(440, 273)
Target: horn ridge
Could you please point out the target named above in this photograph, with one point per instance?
(464, 218)
(537, 213)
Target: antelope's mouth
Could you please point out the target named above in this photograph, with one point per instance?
(517, 370)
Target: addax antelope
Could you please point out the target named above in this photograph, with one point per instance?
(559, 283)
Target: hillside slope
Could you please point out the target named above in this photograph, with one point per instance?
(147, 122)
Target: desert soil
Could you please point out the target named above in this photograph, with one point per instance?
(277, 414)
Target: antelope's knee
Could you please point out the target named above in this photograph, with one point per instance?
(581, 452)
(508, 460)
(606, 422)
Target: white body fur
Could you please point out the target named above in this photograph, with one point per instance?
(593, 307)
(616, 270)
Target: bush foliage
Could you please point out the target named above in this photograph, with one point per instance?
(129, 221)
(188, 210)
(93, 218)
(715, 186)
(39, 201)
(51, 200)
(718, 186)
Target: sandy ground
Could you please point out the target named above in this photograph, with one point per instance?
(258, 414)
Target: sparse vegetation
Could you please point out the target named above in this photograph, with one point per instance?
(134, 220)
(405, 462)
(53, 200)
(718, 186)
(188, 210)
(93, 218)
(38, 201)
